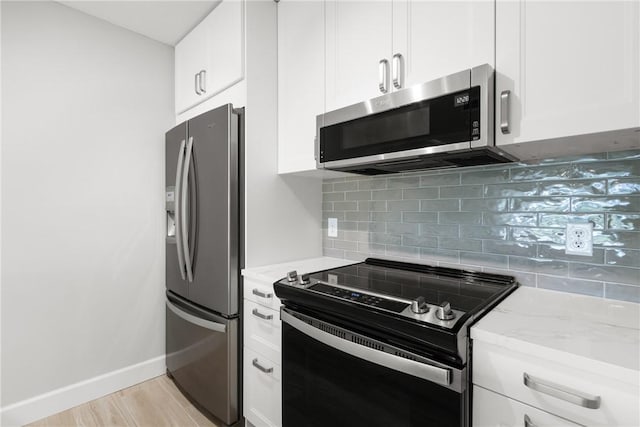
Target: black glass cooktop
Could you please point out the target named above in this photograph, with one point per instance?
(382, 298)
(464, 290)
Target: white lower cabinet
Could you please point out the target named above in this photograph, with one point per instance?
(551, 386)
(262, 371)
(262, 329)
(262, 390)
(494, 410)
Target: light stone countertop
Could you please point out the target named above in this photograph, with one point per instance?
(595, 334)
(272, 273)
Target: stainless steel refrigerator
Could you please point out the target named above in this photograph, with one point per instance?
(203, 259)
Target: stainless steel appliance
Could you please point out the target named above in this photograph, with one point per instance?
(381, 343)
(442, 123)
(203, 259)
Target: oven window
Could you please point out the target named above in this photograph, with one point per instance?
(322, 386)
(438, 121)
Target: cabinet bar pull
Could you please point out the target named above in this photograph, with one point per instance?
(196, 78)
(262, 294)
(527, 421)
(260, 367)
(561, 392)
(383, 76)
(262, 316)
(397, 70)
(504, 111)
(203, 81)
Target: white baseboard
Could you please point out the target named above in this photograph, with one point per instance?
(44, 405)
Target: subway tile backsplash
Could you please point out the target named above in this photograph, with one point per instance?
(504, 219)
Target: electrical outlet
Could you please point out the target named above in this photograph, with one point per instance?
(579, 239)
(332, 229)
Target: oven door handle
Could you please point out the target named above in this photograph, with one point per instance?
(431, 373)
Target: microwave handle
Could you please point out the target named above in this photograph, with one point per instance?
(383, 75)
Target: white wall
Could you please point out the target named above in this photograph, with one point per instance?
(283, 213)
(85, 108)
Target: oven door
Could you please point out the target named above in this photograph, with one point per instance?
(334, 377)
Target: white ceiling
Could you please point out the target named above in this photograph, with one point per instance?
(166, 21)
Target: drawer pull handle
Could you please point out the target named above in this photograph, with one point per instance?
(262, 316)
(260, 367)
(527, 421)
(262, 294)
(561, 392)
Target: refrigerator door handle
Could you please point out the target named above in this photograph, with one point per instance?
(208, 324)
(178, 194)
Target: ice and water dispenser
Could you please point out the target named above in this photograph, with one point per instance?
(170, 203)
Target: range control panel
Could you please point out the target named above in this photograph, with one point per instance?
(360, 297)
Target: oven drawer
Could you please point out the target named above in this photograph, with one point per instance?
(493, 410)
(261, 293)
(262, 390)
(262, 330)
(580, 396)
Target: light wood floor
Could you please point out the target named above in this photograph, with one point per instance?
(153, 403)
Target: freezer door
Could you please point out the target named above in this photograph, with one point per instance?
(175, 141)
(214, 241)
(202, 357)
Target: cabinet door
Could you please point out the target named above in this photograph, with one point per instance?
(437, 38)
(300, 82)
(224, 28)
(189, 60)
(358, 36)
(572, 68)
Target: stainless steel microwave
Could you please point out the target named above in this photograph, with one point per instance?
(443, 123)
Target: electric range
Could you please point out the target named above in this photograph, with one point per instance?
(388, 338)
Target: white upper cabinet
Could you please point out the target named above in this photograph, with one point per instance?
(564, 69)
(210, 58)
(190, 60)
(358, 37)
(438, 38)
(376, 47)
(300, 82)
(225, 46)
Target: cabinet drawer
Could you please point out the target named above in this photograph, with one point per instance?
(493, 410)
(262, 330)
(503, 371)
(261, 293)
(262, 390)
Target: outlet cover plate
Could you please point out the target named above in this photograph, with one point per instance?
(579, 239)
(332, 229)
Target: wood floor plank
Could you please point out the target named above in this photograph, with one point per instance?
(61, 419)
(154, 403)
(152, 406)
(192, 411)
